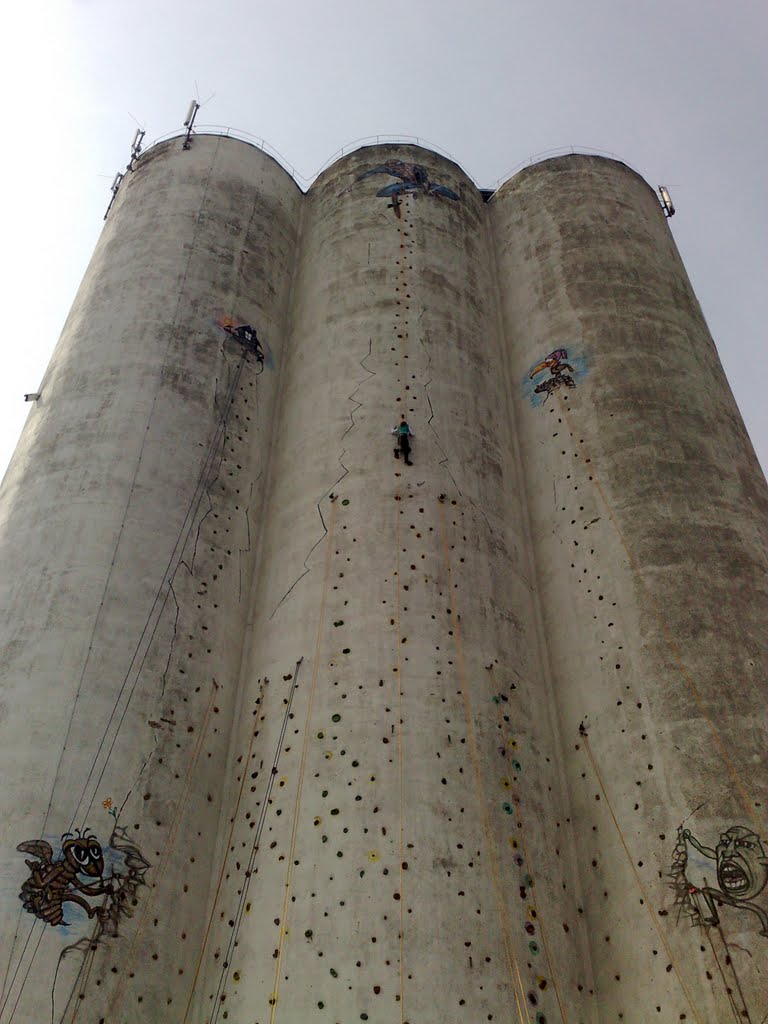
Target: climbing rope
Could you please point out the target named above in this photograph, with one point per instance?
(641, 887)
(302, 766)
(503, 913)
(690, 683)
(506, 737)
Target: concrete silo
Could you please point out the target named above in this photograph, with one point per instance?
(473, 738)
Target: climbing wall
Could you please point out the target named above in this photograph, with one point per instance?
(136, 494)
(301, 728)
(396, 855)
(648, 514)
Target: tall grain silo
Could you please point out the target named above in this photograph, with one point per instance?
(471, 735)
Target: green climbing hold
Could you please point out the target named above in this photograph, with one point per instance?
(345, 501)
(533, 946)
(336, 718)
(334, 973)
(308, 933)
(339, 622)
(517, 766)
(508, 808)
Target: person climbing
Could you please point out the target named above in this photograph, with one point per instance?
(403, 432)
(249, 338)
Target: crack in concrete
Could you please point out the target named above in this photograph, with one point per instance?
(319, 540)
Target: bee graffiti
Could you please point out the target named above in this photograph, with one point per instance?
(741, 872)
(558, 378)
(52, 883)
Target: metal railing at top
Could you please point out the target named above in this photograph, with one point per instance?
(561, 151)
(303, 179)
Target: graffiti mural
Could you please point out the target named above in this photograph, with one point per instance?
(52, 883)
(558, 378)
(413, 180)
(740, 869)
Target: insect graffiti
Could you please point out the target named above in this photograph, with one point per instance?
(52, 883)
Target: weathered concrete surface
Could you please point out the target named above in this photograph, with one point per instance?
(128, 520)
(390, 880)
(648, 513)
(335, 700)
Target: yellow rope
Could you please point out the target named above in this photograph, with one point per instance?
(399, 678)
(748, 804)
(165, 857)
(403, 332)
(209, 924)
(646, 900)
(539, 917)
(297, 808)
(501, 907)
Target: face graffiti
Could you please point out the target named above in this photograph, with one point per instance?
(741, 869)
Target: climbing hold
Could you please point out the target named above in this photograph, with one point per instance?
(506, 783)
(334, 973)
(336, 718)
(508, 808)
(533, 946)
(517, 766)
(345, 501)
(328, 754)
(320, 735)
(339, 622)
(373, 855)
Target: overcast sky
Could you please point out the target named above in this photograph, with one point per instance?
(677, 89)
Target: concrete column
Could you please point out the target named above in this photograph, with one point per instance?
(378, 865)
(648, 513)
(129, 521)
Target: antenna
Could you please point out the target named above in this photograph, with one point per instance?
(113, 188)
(136, 144)
(666, 202)
(189, 122)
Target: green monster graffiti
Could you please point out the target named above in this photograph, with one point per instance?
(741, 868)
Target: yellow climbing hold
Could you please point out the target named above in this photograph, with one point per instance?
(328, 754)
(373, 855)
(506, 783)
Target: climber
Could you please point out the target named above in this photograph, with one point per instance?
(403, 432)
(249, 338)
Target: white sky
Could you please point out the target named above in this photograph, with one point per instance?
(677, 89)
